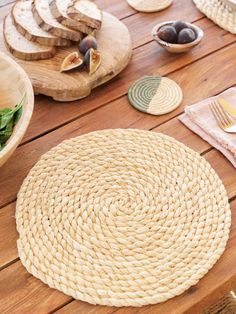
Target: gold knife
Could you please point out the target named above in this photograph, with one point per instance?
(227, 107)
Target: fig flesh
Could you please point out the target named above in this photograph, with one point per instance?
(87, 43)
(168, 34)
(72, 61)
(92, 60)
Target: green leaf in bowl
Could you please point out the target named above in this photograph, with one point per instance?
(8, 119)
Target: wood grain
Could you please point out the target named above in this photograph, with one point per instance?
(85, 308)
(47, 79)
(119, 114)
(118, 8)
(205, 71)
(181, 10)
(8, 243)
(183, 135)
(210, 288)
(149, 59)
(29, 293)
(22, 293)
(221, 165)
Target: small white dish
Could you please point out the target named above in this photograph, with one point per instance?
(177, 48)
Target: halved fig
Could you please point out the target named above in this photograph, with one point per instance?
(92, 60)
(72, 61)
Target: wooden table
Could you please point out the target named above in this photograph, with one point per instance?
(205, 71)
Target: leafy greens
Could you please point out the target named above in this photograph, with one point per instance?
(8, 119)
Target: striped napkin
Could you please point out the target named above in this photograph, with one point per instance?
(200, 120)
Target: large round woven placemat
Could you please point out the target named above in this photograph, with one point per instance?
(122, 218)
(149, 5)
(155, 95)
(219, 12)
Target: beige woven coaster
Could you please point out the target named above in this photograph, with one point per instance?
(122, 218)
(219, 12)
(149, 5)
(155, 95)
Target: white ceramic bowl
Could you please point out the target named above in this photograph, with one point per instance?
(14, 83)
(177, 48)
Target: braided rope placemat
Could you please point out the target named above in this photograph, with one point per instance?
(149, 5)
(219, 12)
(121, 218)
(155, 95)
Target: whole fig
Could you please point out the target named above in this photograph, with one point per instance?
(186, 35)
(167, 33)
(87, 43)
(179, 25)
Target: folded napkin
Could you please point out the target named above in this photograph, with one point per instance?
(201, 121)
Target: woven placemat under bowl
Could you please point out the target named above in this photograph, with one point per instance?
(149, 5)
(122, 218)
(219, 12)
(155, 95)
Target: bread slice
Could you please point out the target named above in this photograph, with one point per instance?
(87, 12)
(59, 12)
(21, 47)
(43, 16)
(27, 26)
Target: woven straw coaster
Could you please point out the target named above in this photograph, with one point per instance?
(155, 95)
(219, 12)
(149, 5)
(122, 218)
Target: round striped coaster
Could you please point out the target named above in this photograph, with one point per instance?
(155, 95)
(149, 5)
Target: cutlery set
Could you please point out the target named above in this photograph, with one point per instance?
(225, 115)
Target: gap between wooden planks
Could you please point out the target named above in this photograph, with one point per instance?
(8, 244)
(70, 111)
(119, 114)
(119, 8)
(215, 157)
(56, 114)
(23, 293)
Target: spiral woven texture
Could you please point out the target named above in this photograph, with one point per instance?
(149, 5)
(155, 95)
(121, 218)
(219, 12)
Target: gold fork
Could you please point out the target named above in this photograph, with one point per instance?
(224, 121)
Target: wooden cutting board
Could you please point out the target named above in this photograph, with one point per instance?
(114, 43)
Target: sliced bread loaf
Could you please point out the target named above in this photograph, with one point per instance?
(21, 47)
(87, 12)
(43, 16)
(59, 12)
(27, 26)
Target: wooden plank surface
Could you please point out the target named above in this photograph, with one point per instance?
(163, 62)
(47, 79)
(205, 71)
(208, 290)
(119, 114)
